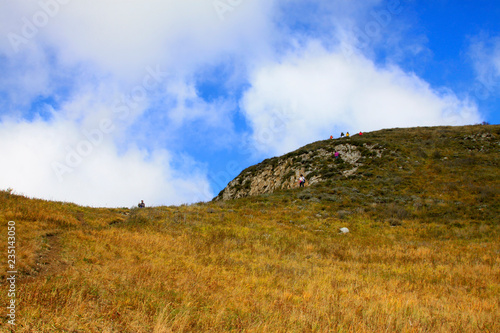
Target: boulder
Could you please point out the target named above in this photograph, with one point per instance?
(344, 230)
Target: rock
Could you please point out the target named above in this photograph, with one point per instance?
(279, 173)
(344, 230)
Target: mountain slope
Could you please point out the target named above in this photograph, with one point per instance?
(410, 154)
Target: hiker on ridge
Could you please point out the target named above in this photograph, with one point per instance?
(141, 204)
(302, 180)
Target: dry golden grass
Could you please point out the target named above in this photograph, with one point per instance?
(233, 268)
(274, 263)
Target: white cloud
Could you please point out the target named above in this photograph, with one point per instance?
(84, 154)
(24, 78)
(93, 59)
(85, 42)
(187, 107)
(59, 161)
(315, 93)
(484, 51)
(124, 37)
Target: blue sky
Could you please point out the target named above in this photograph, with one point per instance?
(105, 103)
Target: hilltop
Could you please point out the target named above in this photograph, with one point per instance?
(422, 254)
(384, 154)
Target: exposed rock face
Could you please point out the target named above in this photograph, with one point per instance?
(316, 162)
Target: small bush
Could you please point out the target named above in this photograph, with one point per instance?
(247, 184)
(420, 153)
(304, 195)
(437, 155)
(343, 214)
(398, 212)
(138, 216)
(394, 222)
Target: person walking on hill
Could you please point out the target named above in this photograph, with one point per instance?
(341, 134)
(347, 135)
(141, 204)
(302, 180)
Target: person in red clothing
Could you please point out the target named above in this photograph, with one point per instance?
(302, 180)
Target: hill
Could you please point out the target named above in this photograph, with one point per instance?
(422, 254)
(385, 154)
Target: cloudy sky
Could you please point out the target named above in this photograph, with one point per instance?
(108, 102)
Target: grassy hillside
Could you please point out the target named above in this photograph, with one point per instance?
(422, 254)
(385, 155)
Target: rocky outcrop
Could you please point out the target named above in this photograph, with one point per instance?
(316, 162)
(384, 154)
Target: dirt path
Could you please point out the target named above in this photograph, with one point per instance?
(49, 261)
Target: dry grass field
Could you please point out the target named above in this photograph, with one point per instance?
(422, 254)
